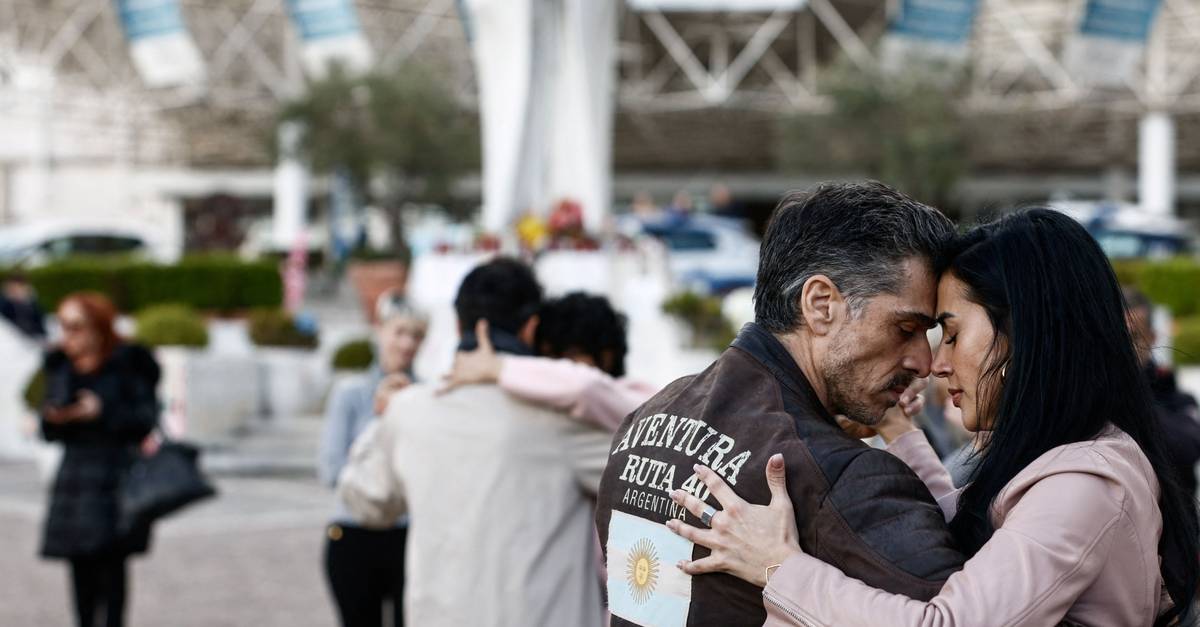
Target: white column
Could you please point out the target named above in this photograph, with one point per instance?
(32, 192)
(546, 71)
(291, 187)
(580, 165)
(502, 47)
(1156, 163)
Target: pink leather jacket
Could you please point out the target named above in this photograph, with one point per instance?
(1076, 537)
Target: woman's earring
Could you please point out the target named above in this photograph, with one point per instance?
(1003, 371)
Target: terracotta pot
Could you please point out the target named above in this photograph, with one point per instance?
(372, 278)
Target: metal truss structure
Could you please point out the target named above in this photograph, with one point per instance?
(775, 60)
(773, 63)
(249, 47)
(747, 64)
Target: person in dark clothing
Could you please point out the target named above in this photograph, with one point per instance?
(100, 404)
(1176, 409)
(845, 294)
(19, 305)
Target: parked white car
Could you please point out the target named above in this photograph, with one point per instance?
(39, 243)
(705, 253)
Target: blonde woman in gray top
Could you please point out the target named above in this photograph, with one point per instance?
(365, 566)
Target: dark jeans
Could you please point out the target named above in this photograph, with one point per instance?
(99, 586)
(365, 569)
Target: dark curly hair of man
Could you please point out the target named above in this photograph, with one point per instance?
(585, 328)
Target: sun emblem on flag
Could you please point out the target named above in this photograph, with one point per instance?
(641, 571)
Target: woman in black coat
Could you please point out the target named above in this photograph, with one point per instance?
(100, 403)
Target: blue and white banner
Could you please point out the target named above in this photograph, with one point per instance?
(1110, 41)
(331, 34)
(644, 585)
(161, 47)
(932, 30)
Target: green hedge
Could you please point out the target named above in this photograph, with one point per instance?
(275, 327)
(354, 355)
(1128, 271)
(1172, 283)
(1187, 341)
(703, 315)
(35, 391)
(209, 282)
(171, 325)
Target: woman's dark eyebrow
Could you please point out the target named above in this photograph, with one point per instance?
(943, 317)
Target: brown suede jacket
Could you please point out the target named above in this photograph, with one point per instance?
(858, 508)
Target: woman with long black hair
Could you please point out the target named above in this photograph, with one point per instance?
(1073, 512)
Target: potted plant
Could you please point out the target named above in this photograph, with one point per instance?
(288, 371)
(353, 356)
(372, 273)
(205, 395)
(703, 316)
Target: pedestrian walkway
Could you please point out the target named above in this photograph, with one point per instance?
(272, 448)
(251, 557)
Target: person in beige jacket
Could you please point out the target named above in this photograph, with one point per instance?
(500, 491)
(1073, 515)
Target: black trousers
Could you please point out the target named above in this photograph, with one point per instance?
(99, 585)
(366, 569)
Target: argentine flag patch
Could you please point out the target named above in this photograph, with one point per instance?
(644, 586)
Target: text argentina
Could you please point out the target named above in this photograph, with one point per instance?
(684, 435)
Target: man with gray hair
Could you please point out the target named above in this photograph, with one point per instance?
(846, 290)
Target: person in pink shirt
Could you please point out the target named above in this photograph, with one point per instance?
(1072, 515)
(580, 367)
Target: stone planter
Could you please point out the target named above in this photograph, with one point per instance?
(207, 396)
(563, 271)
(290, 382)
(372, 278)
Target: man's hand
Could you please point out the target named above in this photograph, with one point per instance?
(481, 365)
(387, 387)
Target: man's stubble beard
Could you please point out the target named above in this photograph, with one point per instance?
(846, 396)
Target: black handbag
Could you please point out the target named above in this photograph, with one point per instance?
(160, 484)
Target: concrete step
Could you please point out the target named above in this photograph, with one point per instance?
(277, 448)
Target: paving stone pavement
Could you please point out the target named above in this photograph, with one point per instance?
(249, 558)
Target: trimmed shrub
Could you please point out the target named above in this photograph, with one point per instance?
(171, 325)
(276, 327)
(703, 316)
(354, 355)
(1128, 271)
(94, 274)
(207, 282)
(1173, 283)
(35, 391)
(1187, 341)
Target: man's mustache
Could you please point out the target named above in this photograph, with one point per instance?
(900, 380)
